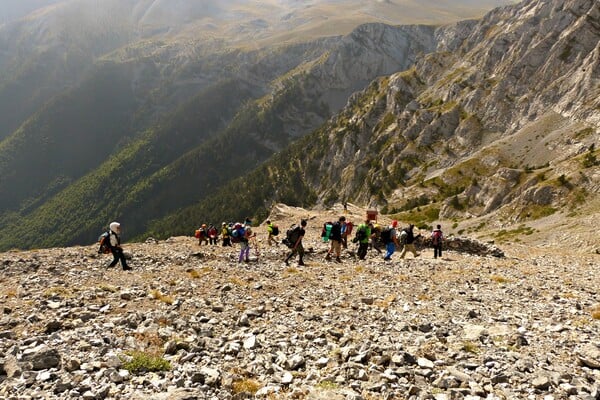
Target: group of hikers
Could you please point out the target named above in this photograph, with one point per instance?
(368, 235)
(371, 235)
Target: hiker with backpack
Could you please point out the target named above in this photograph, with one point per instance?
(389, 238)
(375, 240)
(409, 241)
(202, 235)
(362, 236)
(114, 236)
(226, 234)
(437, 236)
(213, 234)
(326, 232)
(294, 240)
(336, 240)
(272, 232)
(242, 234)
(346, 232)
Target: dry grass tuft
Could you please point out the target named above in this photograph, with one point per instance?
(237, 281)
(292, 270)
(500, 279)
(194, 274)
(596, 311)
(198, 274)
(246, 386)
(470, 347)
(108, 288)
(157, 295)
(386, 302)
(57, 291)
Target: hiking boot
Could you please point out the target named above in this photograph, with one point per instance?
(328, 257)
(127, 268)
(301, 263)
(337, 259)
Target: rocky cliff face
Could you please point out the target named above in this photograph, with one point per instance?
(501, 116)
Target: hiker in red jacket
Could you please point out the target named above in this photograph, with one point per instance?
(436, 240)
(213, 234)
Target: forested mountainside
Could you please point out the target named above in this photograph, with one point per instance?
(66, 190)
(499, 126)
(160, 122)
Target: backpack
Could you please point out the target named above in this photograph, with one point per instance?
(336, 231)
(237, 234)
(386, 235)
(349, 227)
(436, 237)
(326, 231)
(361, 233)
(199, 233)
(275, 230)
(104, 242)
(403, 236)
(291, 236)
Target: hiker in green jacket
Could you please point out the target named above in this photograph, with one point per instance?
(362, 236)
(272, 231)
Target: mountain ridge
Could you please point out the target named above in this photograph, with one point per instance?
(434, 116)
(460, 88)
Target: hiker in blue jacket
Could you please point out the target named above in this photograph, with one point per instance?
(115, 246)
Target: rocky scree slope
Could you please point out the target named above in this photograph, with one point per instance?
(464, 327)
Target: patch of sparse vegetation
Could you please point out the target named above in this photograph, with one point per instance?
(140, 361)
(420, 216)
(237, 281)
(590, 159)
(499, 279)
(470, 347)
(292, 270)
(194, 274)
(596, 312)
(157, 295)
(564, 181)
(246, 386)
(108, 288)
(456, 204)
(505, 235)
(583, 133)
(536, 211)
(387, 120)
(327, 385)
(386, 302)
